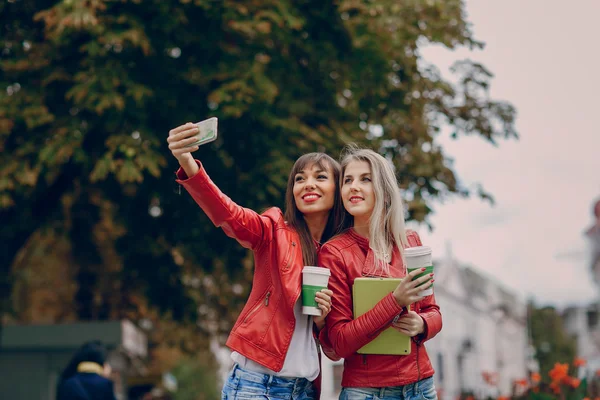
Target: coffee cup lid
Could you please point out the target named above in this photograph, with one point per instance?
(417, 251)
(317, 270)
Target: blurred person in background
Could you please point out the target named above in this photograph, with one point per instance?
(86, 375)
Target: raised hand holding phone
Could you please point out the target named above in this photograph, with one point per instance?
(187, 138)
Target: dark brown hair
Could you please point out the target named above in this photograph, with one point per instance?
(295, 219)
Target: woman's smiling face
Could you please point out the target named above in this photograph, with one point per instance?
(314, 190)
(358, 195)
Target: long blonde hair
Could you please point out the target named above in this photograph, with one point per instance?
(386, 225)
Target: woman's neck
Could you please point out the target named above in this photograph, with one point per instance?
(361, 227)
(316, 225)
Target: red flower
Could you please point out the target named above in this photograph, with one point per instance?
(555, 386)
(559, 372)
(579, 362)
(535, 377)
(573, 382)
(521, 382)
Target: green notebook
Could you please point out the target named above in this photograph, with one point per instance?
(367, 292)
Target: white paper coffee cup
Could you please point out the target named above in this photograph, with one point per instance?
(313, 280)
(417, 258)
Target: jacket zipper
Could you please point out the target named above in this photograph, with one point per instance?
(418, 369)
(258, 306)
(418, 310)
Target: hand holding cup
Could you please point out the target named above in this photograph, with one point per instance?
(314, 284)
(419, 257)
(323, 299)
(408, 291)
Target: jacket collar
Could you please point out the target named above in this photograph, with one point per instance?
(368, 268)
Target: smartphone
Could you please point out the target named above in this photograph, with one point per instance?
(208, 132)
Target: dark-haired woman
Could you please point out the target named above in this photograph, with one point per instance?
(274, 347)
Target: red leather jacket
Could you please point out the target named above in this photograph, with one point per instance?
(349, 256)
(264, 328)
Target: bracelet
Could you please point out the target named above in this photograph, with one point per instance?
(397, 317)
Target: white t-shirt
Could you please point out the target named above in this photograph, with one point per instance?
(301, 360)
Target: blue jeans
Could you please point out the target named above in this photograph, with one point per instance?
(422, 390)
(245, 385)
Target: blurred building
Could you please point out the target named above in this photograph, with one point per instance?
(584, 322)
(484, 345)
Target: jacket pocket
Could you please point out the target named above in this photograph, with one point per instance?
(287, 259)
(264, 302)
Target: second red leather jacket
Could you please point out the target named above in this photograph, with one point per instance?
(348, 256)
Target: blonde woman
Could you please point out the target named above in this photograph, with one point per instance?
(374, 247)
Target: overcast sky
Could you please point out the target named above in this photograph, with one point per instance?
(545, 57)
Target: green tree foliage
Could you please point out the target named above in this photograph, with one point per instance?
(91, 88)
(551, 342)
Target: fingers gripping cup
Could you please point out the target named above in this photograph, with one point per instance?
(313, 280)
(416, 258)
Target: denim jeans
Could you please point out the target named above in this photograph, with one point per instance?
(422, 390)
(245, 385)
